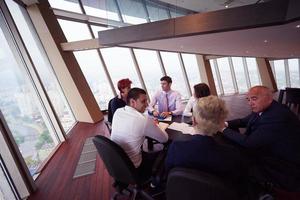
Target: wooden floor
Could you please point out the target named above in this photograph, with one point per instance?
(56, 180)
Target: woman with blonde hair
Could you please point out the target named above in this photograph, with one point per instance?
(202, 151)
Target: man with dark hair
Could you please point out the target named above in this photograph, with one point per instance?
(168, 100)
(130, 127)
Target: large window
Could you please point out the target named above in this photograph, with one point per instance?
(173, 69)
(93, 71)
(156, 12)
(43, 66)
(280, 73)
(150, 68)
(66, 5)
(192, 69)
(226, 77)
(119, 61)
(133, 11)
(74, 30)
(286, 73)
(120, 65)
(234, 74)
(22, 109)
(240, 74)
(253, 71)
(294, 71)
(105, 9)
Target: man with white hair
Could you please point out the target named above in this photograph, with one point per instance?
(272, 139)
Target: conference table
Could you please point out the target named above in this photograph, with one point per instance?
(175, 135)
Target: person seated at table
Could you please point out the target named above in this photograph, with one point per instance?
(168, 100)
(271, 138)
(119, 101)
(130, 127)
(200, 90)
(202, 152)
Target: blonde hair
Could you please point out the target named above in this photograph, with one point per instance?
(209, 112)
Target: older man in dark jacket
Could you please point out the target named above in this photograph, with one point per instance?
(272, 138)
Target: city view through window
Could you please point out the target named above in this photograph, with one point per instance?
(21, 104)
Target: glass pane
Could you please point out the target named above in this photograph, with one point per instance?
(253, 72)
(120, 65)
(133, 11)
(6, 192)
(96, 29)
(93, 71)
(226, 77)
(240, 74)
(66, 5)
(173, 69)
(150, 69)
(294, 72)
(43, 66)
(105, 9)
(177, 13)
(23, 111)
(71, 30)
(280, 74)
(156, 12)
(213, 69)
(192, 69)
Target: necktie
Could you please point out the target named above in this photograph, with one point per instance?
(164, 107)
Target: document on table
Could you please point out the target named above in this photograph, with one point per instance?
(163, 126)
(167, 119)
(182, 127)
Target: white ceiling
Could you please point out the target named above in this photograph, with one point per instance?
(208, 5)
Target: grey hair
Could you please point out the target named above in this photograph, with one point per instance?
(209, 112)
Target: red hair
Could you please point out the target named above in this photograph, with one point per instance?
(124, 83)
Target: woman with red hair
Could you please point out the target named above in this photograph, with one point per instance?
(119, 101)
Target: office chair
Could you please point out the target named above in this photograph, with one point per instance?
(190, 184)
(293, 99)
(121, 168)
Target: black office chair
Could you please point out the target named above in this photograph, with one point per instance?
(292, 99)
(121, 168)
(190, 184)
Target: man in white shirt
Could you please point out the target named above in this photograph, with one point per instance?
(130, 127)
(168, 100)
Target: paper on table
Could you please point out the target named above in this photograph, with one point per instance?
(167, 119)
(163, 126)
(182, 127)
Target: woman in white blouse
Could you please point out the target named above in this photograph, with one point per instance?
(200, 90)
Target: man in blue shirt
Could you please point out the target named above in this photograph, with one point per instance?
(168, 100)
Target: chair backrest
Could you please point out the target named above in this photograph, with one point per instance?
(184, 183)
(293, 99)
(117, 162)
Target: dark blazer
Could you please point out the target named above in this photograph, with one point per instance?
(273, 139)
(113, 105)
(204, 153)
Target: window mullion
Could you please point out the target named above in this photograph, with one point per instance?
(163, 69)
(187, 83)
(287, 73)
(218, 76)
(246, 73)
(236, 89)
(136, 65)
